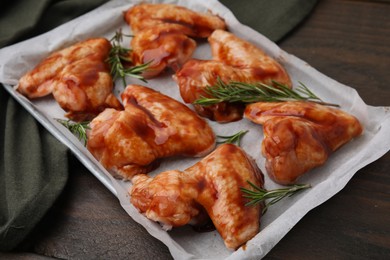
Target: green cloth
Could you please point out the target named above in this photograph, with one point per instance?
(34, 171)
(23, 19)
(272, 18)
(34, 166)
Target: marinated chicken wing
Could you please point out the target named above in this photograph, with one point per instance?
(168, 198)
(162, 45)
(163, 34)
(233, 60)
(240, 54)
(152, 126)
(176, 198)
(299, 136)
(195, 75)
(145, 15)
(77, 76)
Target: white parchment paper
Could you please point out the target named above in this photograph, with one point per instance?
(184, 243)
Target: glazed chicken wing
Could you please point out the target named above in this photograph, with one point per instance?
(233, 60)
(240, 54)
(197, 74)
(162, 45)
(152, 126)
(163, 34)
(77, 76)
(168, 198)
(174, 198)
(199, 24)
(299, 136)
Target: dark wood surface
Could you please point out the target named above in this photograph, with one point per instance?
(346, 40)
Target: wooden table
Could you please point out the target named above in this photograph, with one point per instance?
(346, 40)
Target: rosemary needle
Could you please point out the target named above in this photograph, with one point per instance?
(256, 92)
(259, 194)
(119, 55)
(78, 129)
(232, 139)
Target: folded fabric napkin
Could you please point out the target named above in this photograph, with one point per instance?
(34, 166)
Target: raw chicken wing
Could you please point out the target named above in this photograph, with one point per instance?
(162, 45)
(145, 15)
(175, 198)
(233, 60)
(168, 198)
(240, 54)
(197, 74)
(299, 136)
(77, 76)
(163, 34)
(152, 126)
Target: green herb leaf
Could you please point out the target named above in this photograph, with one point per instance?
(78, 129)
(119, 55)
(232, 139)
(258, 194)
(256, 92)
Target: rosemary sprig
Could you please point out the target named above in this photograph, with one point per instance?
(119, 55)
(78, 129)
(259, 194)
(232, 139)
(256, 92)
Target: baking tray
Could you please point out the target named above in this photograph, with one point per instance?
(185, 243)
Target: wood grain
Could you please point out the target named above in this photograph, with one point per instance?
(346, 40)
(349, 42)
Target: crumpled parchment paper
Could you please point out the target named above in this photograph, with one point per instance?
(184, 243)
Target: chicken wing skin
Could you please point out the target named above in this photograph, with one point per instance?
(193, 23)
(240, 54)
(77, 76)
(162, 45)
(174, 198)
(195, 75)
(233, 60)
(164, 32)
(152, 126)
(299, 136)
(168, 198)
